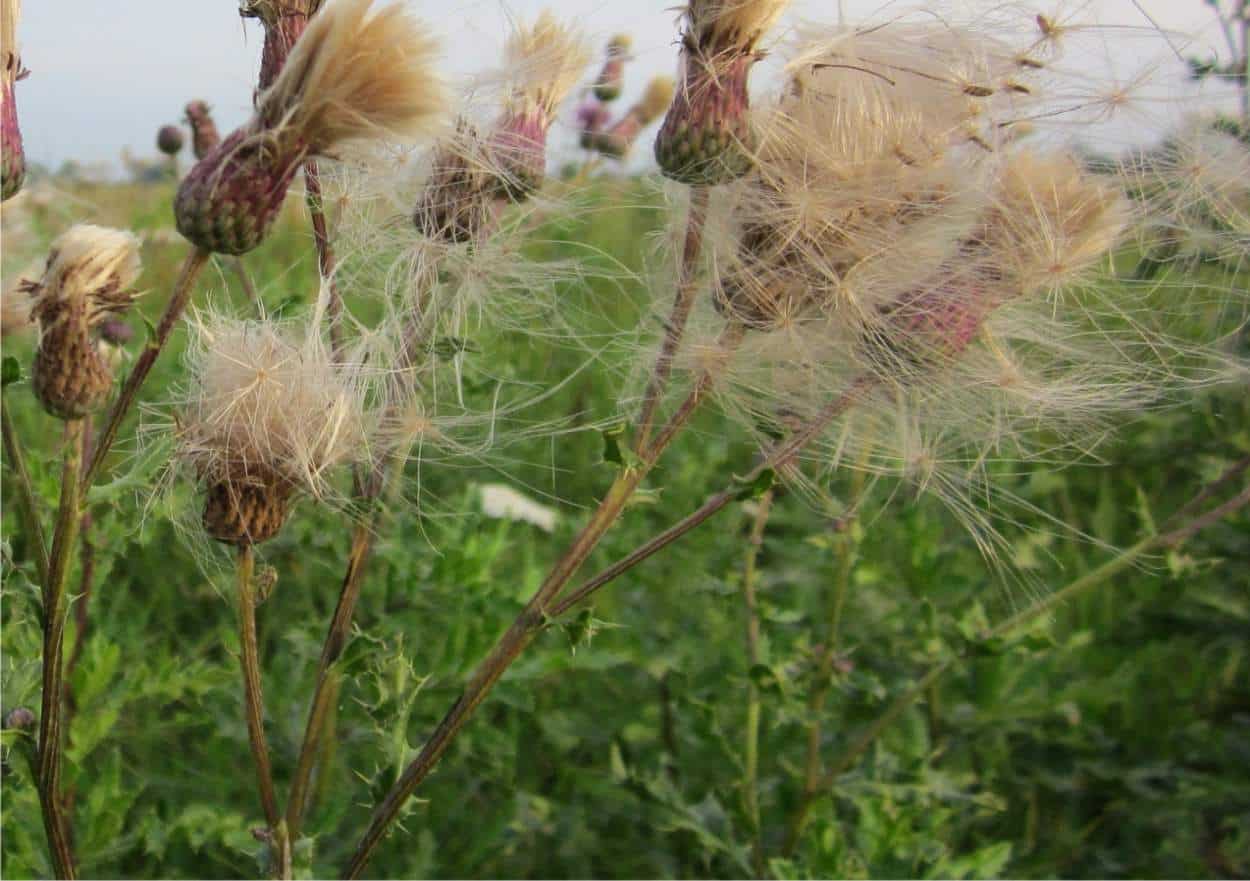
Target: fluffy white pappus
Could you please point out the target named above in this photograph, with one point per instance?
(267, 397)
(90, 268)
(357, 73)
(544, 60)
(730, 25)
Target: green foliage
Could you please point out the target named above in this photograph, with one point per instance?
(1111, 739)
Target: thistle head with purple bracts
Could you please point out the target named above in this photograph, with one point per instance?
(611, 79)
(86, 283)
(617, 140)
(204, 134)
(284, 22)
(169, 140)
(12, 156)
(546, 59)
(706, 138)
(355, 74)
(592, 118)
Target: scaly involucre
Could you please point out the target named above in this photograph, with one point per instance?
(12, 156)
(707, 137)
(86, 281)
(545, 60)
(354, 75)
(268, 414)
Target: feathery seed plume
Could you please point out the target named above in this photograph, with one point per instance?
(611, 78)
(355, 74)
(706, 137)
(267, 416)
(618, 139)
(547, 59)
(204, 134)
(458, 199)
(86, 281)
(12, 156)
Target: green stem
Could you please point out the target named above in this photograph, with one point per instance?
(29, 506)
(534, 617)
(750, 771)
(254, 708)
(55, 610)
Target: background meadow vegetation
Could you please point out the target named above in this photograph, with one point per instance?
(1111, 739)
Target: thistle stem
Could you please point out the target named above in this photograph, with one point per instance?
(325, 254)
(254, 701)
(687, 290)
(245, 280)
(534, 617)
(177, 304)
(750, 771)
(55, 610)
(28, 505)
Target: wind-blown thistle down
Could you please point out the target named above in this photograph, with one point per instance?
(87, 281)
(706, 137)
(546, 59)
(12, 156)
(267, 416)
(355, 74)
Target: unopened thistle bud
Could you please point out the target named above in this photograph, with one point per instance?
(204, 135)
(87, 280)
(618, 139)
(611, 79)
(12, 156)
(354, 75)
(592, 117)
(457, 201)
(268, 415)
(548, 58)
(706, 138)
(19, 719)
(169, 140)
(284, 22)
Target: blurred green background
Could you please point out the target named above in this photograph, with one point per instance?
(1112, 739)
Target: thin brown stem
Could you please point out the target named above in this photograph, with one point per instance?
(177, 304)
(245, 281)
(253, 696)
(325, 254)
(534, 616)
(55, 610)
(674, 331)
(28, 506)
(750, 770)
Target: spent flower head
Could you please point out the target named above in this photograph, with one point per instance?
(356, 74)
(86, 281)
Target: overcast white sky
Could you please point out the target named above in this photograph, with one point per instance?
(106, 75)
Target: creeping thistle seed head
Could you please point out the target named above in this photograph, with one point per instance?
(284, 22)
(87, 280)
(267, 416)
(611, 78)
(12, 156)
(546, 59)
(618, 139)
(169, 140)
(458, 199)
(355, 74)
(204, 134)
(706, 138)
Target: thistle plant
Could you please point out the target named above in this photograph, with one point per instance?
(611, 78)
(706, 137)
(617, 140)
(204, 134)
(12, 157)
